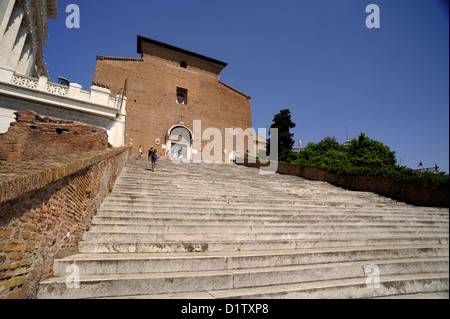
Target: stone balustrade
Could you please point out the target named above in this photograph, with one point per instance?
(97, 95)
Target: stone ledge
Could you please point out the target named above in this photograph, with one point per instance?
(17, 179)
(418, 195)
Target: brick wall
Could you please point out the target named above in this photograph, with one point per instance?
(53, 138)
(45, 207)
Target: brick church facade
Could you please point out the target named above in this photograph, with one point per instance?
(169, 88)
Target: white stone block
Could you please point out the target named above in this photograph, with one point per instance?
(74, 90)
(42, 84)
(121, 104)
(100, 95)
(6, 74)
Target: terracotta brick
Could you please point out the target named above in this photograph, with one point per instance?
(12, 283)
(26, 263)
(26, 234)
(30, 247)
(22, 271)
(14, 246)
(6, 275)
(5, 232)
(14, 294)
(15, 265)
(16, 256)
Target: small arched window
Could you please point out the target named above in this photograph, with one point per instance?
(182, 96)
(183, 64)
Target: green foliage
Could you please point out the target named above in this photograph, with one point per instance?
(327, 153)
(288, 156)
(365, 157)
(365, 152)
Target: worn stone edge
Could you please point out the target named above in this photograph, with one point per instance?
(17, 179)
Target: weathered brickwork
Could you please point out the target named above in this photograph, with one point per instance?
(34, 137)
(153, 80)
(45, 208)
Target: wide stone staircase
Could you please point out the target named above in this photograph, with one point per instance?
(203, 231)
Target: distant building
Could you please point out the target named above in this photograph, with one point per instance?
(432, 170)
(348, 143)
(299, 148)
(168, 88)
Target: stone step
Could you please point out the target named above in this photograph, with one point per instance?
(137, 263)
(260, 283)
(251, 229)
(355, 288)
(421, 296)
(263, 201)
(221, 237)
(250, 201)
(243, 213)
(254, 214)
(212, 191)
(394, 286)
(189, 189)
(184, 247)
(216, 196)
(191, 184)
(242, 206)
(107, 220)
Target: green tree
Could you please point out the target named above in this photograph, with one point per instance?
(327, 153)
(366, 152)
(283, 122)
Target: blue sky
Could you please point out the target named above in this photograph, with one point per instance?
(314, 57)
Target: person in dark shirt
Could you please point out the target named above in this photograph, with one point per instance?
(150, 153)
(154, 160)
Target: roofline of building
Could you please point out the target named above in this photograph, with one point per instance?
(99, 57)
(235, 90)
(171, 47)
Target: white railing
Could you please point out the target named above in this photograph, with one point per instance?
(40, 84)
(57, 89)
(25, 81)
(97, 96)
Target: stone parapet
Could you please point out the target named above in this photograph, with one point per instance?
(46, 206)
(33, 137)
(17, 179)
(419, 195)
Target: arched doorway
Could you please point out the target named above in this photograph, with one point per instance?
(179, 137)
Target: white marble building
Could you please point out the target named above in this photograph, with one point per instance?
(24, 81)
(23, 35)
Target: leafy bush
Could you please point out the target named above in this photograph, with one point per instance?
(327, 153)
(365, 152)
(364, 157)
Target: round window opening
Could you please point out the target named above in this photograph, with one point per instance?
(181, 98)
(183, 65)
